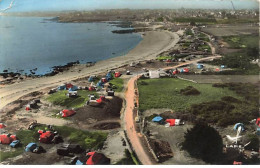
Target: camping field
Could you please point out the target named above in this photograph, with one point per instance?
(60, 98)
(221, 104)
(88, 140)
(165, 93)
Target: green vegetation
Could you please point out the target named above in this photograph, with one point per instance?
(88, 140)
(160, 58)
(196, 20)
(189, 32)
(221, 104)
(254, 142)
(189, 90)
(240, 61)
(203, 142)
(165, 93)
(159, 19)
(128, 160)
(203, 37)
(60, 98)
(25, 137)
(204, 47)
(117, 84)
(231, 20)
(242, 41)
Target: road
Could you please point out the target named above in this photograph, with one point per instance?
(133, 136)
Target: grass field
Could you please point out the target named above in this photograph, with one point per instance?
(88, 140)
(118, 84)
(221, 104)
(60, 98)
(165, 93)
(242, 41)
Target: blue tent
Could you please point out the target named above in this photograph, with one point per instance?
(258, 131)
(239, 125)
(73, 88)
(108, 76)
(100, 84)
(182, 70)
(222, 66)
(200, 66)
(62, 87)
(157, 119)
(30, 147)
(79, 162)
(90, 79)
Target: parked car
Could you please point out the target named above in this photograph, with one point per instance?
(66, 149)
(15, 143)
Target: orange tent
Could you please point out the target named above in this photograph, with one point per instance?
(2, 125)
(7, 138)
(67, 113)
(45, 137)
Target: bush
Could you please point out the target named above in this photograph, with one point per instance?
(230, 99)
(203, 142)
(189, 91)
(254, 145)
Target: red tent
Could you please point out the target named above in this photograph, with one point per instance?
(175, 72)
(186, 70)
(97, 159)
(217, 69)
(117, 74)
(91, 88)
(45, 137)
(171, 121)
(101, 99)
(104, 80)
(2, 125)
(258, 122)
(67, 113)
(7, 138)
(69, 85)
(27, 108)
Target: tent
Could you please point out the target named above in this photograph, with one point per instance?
(100, 84)
(117, 74)
(175, 72)
(157, 119)
(186, 70)
(101, 99)
(173, 122)
(239, 125)
(69, 85)
(2, 125)
(222, 66)
(91, 79)
(46, 136)
(97, 159)
(108, 76)
(79, 162)
(200, 66)
(258, 122)
(104, 80)
(7, 138)
(217, 69)
(73, 88)
(62, 87)
(30, 147)
(67, 113)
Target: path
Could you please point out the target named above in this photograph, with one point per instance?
(134, 137)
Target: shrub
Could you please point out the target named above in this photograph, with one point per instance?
(230, 99)
(203, 142)
(189, 91)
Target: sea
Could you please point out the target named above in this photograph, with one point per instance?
(28, 43)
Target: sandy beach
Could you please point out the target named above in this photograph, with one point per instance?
(153, 43)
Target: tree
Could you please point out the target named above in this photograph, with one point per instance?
(203, 142)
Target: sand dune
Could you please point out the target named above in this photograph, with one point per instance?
(154, 42)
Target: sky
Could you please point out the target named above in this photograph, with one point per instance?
(59, 5)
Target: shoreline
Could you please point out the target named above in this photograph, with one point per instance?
(153, 43)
